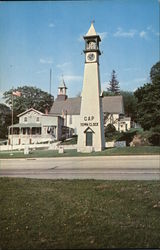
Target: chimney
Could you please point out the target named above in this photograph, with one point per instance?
(46, 111)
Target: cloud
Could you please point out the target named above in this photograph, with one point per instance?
(51, 25)
(130, 69)
(157, 33)
(1, 94)
(46, 61)
(102, 35)
(150, 28)
(41, 71)
(63, 65)
(80, 38)
(143, 34)
(121, 33)
(75, 78)
(139, 80)
(104, 86)
(2, 100)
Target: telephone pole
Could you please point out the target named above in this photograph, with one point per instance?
(50, 81)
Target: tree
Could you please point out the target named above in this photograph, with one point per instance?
(154, 73)
(114, 84)
(130, 104)
(148, 98)
(31, 97)
(5, 120)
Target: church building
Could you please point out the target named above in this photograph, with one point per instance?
(69, 109)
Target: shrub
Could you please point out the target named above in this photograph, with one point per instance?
(110, 128)
(156, 129)
(127, 136)
(154, 139)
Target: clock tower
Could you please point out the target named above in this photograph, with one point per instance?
(91, 128)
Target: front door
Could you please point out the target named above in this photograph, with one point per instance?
(89, 138)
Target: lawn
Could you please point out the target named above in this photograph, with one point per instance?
(52, 214)
(145, 150)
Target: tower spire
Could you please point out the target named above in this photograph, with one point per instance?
(91, 31)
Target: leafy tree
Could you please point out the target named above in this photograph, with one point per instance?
(130, 104)
(110, 128)
(148, 98)
(5, 120)
(155, 72)
(31, 97)
(114, 84)
(107, 93)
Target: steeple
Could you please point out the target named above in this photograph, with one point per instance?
(91, 31)
(62, 85)
(62, 89)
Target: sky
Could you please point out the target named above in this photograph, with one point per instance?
(37, 36)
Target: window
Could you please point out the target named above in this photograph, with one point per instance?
(25, 119)
(37, 119)
(36, 131)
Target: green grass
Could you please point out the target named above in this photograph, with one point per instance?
(70, 141)
(146, 150)
(47, 214)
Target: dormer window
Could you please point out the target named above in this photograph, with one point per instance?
(25, 119)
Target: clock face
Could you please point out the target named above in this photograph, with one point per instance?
(91, 57)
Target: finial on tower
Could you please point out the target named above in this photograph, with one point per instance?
(91, 31)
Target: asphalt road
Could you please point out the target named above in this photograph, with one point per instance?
(106, 168)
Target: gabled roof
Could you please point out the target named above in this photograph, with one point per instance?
(71, 105)
(110, 104)
(113, 104)
(29, 110)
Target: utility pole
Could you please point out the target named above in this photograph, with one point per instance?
(12, 125)
(50, 81)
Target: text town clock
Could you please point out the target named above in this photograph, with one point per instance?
(91, 57)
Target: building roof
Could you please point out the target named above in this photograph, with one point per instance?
(26, 125)
(28, 110)
(111, 104)
(71, 105)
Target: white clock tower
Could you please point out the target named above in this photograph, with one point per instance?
(91, 128)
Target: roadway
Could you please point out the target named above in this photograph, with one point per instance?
(104, 168)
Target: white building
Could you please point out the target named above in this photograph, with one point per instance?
(69, 109)
(35, 127)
